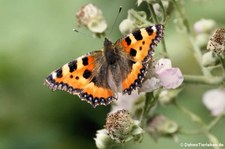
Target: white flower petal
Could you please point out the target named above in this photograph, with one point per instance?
(150, 85)
(171, 78)
(126, 101)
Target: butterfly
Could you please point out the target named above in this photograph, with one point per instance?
(98, 76)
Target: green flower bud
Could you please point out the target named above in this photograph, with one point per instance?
(103, 140)
(202, 40)
(167, 96)
(209, 59)
(135, 19)
(159, 125)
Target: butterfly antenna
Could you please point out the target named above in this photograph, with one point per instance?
(115, 20)
(82, 33)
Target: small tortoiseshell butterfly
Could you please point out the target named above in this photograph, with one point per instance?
(119, 67)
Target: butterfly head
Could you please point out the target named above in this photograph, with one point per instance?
(107, 43)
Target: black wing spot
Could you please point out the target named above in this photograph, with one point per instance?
(59, 73)
(137, 35)
(77, 78)
(87, 74)
(140, 48)
(71, 76)
(85, 61)
(128, 40)
(149, 30)
(133, 52)
(72, 66)
(143, 42)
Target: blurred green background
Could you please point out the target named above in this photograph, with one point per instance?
(36, 37)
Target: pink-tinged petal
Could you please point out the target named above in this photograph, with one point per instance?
(170, 78)
(150, 85)
(214, 100)
(162, 65)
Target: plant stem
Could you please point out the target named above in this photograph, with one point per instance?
(149, 103)
(195, 48)
(215, 121)
(204, 79)
(204, 128)
(190, 132)
(163, 10)
(190, 114)
(155, 19)
(185, 20)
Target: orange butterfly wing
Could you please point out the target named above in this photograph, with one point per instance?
(139, 45)
(75, 77)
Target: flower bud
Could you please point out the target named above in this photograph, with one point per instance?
(167, 96)
(202, 40)
(135, 19)
(204, 26)
(159, 125)
(209, 59)
(103, 140)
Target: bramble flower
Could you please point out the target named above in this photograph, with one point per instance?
(214, 100)
(170, 78)
(204, 26)
(91, 17)
(159, 125)
(217, 42)
(167, 77)
(122, 128)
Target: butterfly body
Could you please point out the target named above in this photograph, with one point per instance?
(120, 67)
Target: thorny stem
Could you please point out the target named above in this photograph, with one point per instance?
(163, 10)
(155, 19)
(204, 79)
(185, 20)
(195, 48)
(215, 121)
(205, 129)
(149, 103)
(190, 114)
